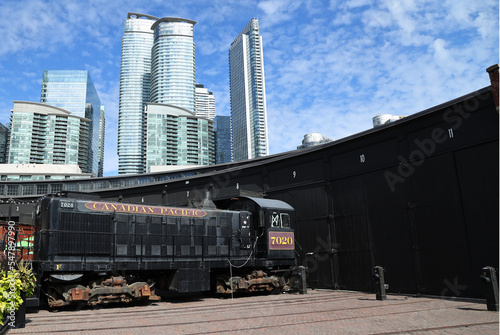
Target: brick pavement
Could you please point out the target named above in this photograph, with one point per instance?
(318, 312)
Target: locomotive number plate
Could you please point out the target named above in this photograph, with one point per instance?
(281, 240)
(65, 204)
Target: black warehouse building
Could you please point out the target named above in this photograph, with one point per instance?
(418, 196)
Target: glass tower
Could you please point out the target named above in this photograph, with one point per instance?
(248, 94)
(176, 136)
(157, 123)
(102, 134)
(135, 82)
(223, 148)
(173, 63)
(74, 91)
(45, 134)
(4, 133)
(205, 102)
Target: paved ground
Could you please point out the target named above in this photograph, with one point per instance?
(318, 312)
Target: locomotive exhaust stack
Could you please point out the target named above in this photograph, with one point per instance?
(207, 202)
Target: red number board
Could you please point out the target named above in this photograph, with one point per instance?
(281, 240)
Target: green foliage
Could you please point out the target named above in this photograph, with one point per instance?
(12, 283)
(28, 279)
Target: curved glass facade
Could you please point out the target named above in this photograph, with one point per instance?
(173, 63)
(44, 134)
(177, 136)
(135, 82)
(74, 91)
(158, 67)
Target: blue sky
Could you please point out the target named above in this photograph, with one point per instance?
(330, 66)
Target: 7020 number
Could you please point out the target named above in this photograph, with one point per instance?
(281, 240)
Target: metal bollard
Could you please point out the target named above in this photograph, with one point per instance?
(379, 280)
(490, 280)
(302, 280)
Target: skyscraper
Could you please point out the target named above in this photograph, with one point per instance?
(223, 147)
(74, 91)
(248, 94)
(176, 136)
(205, 102)
(45, 134)
(102, 136)
(4, 133)
(135, 84)
(173, 63)
(158, 67)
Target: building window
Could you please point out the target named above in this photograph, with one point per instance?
(71, 187)
(41, 189)
(12, 189)
(130, 182)
(85, 187)
(115, 183)
(99, 185)
(54, 188)
(144, 180)
(27, 189)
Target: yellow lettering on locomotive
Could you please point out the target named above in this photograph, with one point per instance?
(131, 209)
(281, 240)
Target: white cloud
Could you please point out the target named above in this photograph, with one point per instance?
(330, 66)
(29, 74)
(342, 78)
(278, 11)
(357, 3)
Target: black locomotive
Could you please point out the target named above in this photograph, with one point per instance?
(91, 251)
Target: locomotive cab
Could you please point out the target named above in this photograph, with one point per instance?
(272, 225)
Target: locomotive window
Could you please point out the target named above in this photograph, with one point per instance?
(275, 220)
(285, 220)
